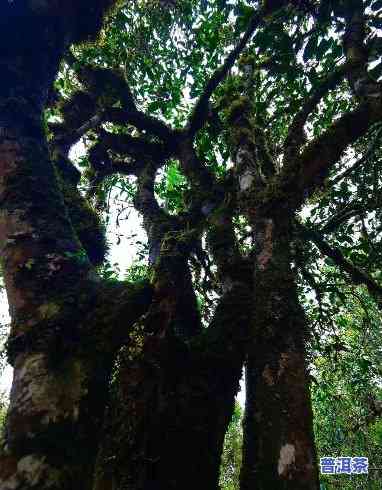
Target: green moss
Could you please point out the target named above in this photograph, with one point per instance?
(29, 264)
(86, 223)
(242, 135)
(248, 60)
(48, 310)
(237, 108)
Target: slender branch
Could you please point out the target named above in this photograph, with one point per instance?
(296, 137)
(361, 161)
(200, 112)
(310, 280)
(92, 123)
(311, 168)
(356, 275)
(354, 209)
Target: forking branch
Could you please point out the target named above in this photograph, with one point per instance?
(356, 275)
(200, 112)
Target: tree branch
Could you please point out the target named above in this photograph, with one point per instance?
(156, 221)
(361, 161)
(232, 267)
(134, 146)
(102, 81)
(200, 112)
(104, 165)
(226, 338)
(296, 138)
(350, 211)
(141, 121)
(310, 169)
(193, 168)
(119, 306)
(92, 123)
(360, 81)
(356, 275)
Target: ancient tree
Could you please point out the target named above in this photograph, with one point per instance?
(132, 384)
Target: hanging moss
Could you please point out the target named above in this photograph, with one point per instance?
(238, 107)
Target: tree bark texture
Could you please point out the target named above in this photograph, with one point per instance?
(174, 395)
(79, 344)
(52, 419)
(279, 451)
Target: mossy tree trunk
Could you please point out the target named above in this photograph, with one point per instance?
(45, 280)
(169, 415)
(278, 441)
(174, 393)
(279, 450)
(51, 432)
(174, 382)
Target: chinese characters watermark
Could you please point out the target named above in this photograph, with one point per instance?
(344, 465)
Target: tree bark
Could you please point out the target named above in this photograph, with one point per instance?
(173, 398)
(51, 424)
(279, 451)
(64, 332)
(43, 274)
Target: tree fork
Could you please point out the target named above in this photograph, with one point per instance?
(174, 395)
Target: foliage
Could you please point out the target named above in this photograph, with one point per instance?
(346, 388)
(231, 457)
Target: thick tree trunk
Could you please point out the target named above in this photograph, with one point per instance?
(279, 451)
(49, 288)
(173, 401)
(170, 419)
(63, 332)
(51, 425)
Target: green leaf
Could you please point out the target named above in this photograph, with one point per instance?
(376, 23)
(376, 6)
(310, 49)
(376, 72)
